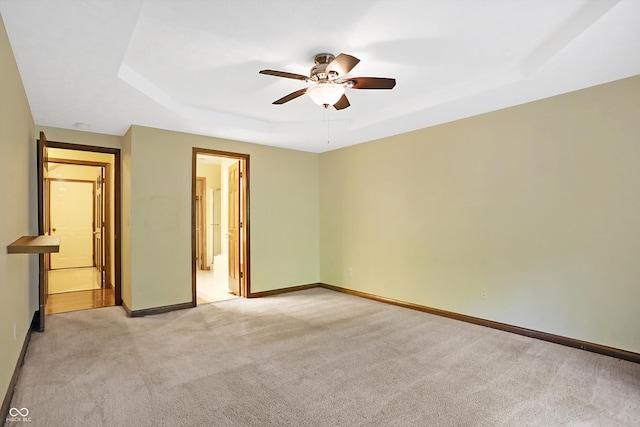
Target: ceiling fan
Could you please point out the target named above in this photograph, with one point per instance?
(328, 81)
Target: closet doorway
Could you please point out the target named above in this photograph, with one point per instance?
(220, 229)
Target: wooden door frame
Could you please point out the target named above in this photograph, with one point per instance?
(245, 267)
(107, 197)
(39, 316)
(101, 220)
(233, 174)
(204, 264)
(41, 143)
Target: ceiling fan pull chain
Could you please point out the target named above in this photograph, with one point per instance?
(326, 119)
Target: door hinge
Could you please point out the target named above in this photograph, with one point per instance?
(240, 174)
(241, 275)
(240, 224)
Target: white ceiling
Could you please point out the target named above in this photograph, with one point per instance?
(192, 65)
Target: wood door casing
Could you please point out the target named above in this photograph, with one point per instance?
(234, 228)
(201, 229)
(240, 269)
(99, 228)
(43, 264)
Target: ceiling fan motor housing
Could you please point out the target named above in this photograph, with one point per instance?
(318, 71)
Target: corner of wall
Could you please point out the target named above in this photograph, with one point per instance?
(18, 273)
(126, 219)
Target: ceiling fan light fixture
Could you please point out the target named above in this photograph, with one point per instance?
(327, 87)
(325, 94)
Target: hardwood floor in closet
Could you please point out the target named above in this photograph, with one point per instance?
(79, 300)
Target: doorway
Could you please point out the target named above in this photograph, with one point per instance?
(220, 229)
(79, 201)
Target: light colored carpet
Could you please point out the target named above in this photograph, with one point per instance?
(312, 358)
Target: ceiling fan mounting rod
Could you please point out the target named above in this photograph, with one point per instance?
(324, 58)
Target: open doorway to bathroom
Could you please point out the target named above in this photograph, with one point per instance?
(219, 226)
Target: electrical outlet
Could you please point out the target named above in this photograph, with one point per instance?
(350, 271)
(483, 293)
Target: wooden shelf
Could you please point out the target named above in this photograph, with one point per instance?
(35, 245)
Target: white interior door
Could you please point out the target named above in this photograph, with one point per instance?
(71, 218)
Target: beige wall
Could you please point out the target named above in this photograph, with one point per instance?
(283, 215)
(82, 138)
(126, 220)
(210, 171)
(156, 212)
(538, 204)
(79, 172)
(18, 273)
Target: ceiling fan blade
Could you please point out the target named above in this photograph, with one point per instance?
(292, 95)
(342, 103)
(342, 64)
(372, 83)
(285, 74)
